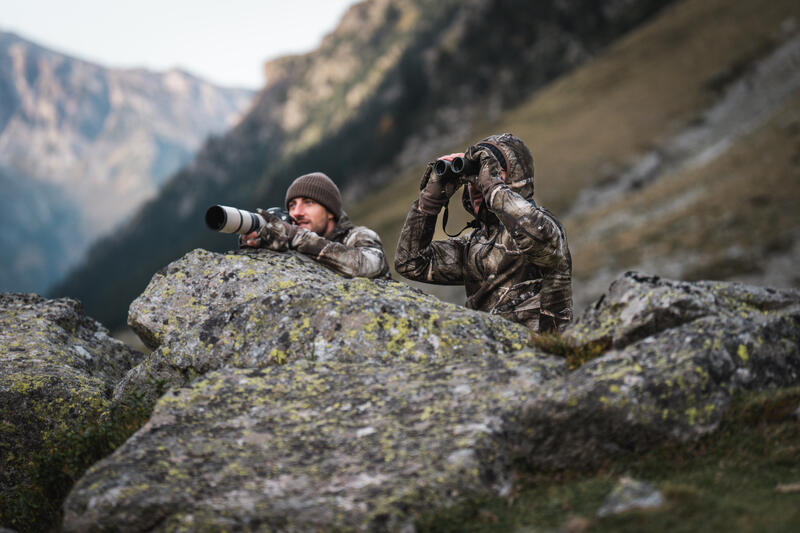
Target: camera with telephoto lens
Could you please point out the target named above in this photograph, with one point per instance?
(232, 220)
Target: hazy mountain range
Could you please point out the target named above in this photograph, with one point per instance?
(82, 146)
(396, 82)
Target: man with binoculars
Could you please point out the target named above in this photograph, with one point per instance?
(321, 230)
(516, 263)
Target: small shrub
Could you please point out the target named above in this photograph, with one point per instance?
(575, 354)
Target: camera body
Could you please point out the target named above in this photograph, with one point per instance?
(281, 213)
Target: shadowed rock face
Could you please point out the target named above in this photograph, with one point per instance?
(58, 369)
(305, 401)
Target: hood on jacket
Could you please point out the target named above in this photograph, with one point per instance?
(518, 166)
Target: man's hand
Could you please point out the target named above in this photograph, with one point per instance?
(250, 240)
(436, 192)
(275, 235)
(490, 174)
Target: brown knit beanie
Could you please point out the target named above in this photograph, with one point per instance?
(318, 187)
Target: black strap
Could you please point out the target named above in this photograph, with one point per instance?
(473, 224)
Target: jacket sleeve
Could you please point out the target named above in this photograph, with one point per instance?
(419, 259)
(533, 229)
(361, 254)
(543, 240)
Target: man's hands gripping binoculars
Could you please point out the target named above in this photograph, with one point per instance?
(478, 168)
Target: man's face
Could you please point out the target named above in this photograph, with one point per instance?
(311, 215)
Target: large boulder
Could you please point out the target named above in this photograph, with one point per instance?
(314, 446)
(678, 352)
(305, 401)
(252, 309)
(58, 369)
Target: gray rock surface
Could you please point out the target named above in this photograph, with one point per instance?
(305, 401)
(314, 446)
(680, 351)
(251, 309)
(58, 369)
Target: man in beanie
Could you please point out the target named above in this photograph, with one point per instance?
(516, 263)
(322, 230)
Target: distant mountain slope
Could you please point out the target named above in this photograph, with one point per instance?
(393, 84)
(106, 138)
(38, 225)
(674, 152)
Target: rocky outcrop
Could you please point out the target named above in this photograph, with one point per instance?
(306, 401)
(680, 351)
(252, 309)
(58, 369)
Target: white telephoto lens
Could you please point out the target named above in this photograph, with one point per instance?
(232, 220)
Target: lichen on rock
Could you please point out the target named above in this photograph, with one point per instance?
(314, 446)
(305, 401)
(681, 352)
(253, 309)
(58, 369)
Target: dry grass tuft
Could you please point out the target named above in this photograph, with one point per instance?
(575, 354)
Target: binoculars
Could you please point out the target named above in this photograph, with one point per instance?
(455, 169)
(232, 220)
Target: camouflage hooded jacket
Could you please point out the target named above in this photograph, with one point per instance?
(352, 251)
(516, 264)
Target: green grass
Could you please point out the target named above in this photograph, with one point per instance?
(728, 481)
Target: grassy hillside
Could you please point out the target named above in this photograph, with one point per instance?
(745, 477)
(723, 219)
(378, 94)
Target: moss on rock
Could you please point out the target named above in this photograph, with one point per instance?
(58, 369)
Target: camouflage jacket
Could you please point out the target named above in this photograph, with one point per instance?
(352, 251)
(516, 264)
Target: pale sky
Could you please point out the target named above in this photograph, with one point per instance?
(225, 42)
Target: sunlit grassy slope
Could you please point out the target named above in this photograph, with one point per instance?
(721, 220)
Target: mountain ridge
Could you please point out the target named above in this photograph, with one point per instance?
(431, 80)
(106, 138)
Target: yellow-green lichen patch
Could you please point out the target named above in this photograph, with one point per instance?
(741, 351)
